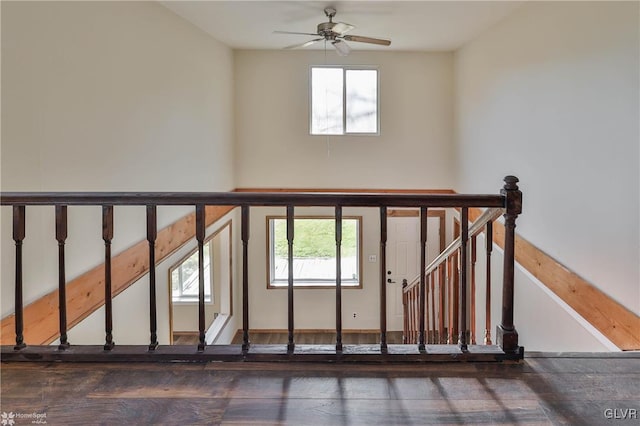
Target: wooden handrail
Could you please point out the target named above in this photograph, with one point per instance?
(489, 215)
(248, 198)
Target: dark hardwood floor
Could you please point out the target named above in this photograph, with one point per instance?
(186, 338)
(582, 389)
(303, 338)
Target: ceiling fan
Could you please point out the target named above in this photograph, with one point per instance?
(336, 33)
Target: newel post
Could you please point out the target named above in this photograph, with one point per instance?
(506, 334)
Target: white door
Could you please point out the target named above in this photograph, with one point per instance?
(403, 260)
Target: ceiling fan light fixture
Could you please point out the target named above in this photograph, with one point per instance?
(342, 48)
(342, 28)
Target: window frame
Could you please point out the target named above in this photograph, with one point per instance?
(344, 69)
(309, 283)
(176, 265)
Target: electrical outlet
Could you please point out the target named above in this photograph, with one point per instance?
(373, 258)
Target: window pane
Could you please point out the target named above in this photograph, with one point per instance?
(326, 101)
(175, 282)
(362, 101)
(314, 251)
(188, 288)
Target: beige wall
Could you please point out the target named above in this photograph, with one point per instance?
(551, 94)
(127, 95)
(273, 146)
(106, 96)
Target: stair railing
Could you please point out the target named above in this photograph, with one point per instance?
(509, 199)
(436, 306)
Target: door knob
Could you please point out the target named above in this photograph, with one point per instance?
(390, 281)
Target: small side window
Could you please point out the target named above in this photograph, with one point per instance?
(184, 278)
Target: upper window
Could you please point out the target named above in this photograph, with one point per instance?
(344, 101)
(314, 252)
(184, 277)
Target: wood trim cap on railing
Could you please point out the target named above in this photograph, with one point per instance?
(253, 199)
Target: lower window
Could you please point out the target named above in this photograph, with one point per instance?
(314, 252)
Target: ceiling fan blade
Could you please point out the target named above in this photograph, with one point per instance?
(342, 28)
(305, 44)
(371, 40)
(290, 32)
(342, 48)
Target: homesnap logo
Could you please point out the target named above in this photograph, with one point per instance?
(8, 419)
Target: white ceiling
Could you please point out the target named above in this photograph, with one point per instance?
(411, 25)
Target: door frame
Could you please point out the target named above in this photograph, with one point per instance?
(439, 213)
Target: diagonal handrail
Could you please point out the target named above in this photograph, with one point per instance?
(489, 215)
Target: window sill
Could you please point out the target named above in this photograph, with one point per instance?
(345, 134)
(315, 285)
(190, 302)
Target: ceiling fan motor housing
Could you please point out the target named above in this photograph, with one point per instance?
(325, 29)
